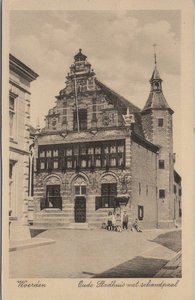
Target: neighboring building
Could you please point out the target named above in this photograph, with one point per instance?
(99, 152)
(19, 120)
(177, 196)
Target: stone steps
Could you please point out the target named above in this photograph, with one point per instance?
(52, 220)
(46, 225)
(54, 215)
(56, 218)
(80, 226)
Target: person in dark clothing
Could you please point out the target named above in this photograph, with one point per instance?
(109, 222)
(125, 220)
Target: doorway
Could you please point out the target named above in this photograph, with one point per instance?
(80, 210)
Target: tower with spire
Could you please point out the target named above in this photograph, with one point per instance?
(157, 127)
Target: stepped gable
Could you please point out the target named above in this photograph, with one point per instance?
(81, 68)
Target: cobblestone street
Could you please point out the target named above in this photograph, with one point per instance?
(96, 253)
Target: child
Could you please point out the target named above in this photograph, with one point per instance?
(118, 223)
(125, 220)
(109, 222)
(113, 221)
(136, 226)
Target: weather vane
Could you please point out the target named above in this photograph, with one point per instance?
(154, 45)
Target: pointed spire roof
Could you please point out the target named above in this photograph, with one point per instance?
(156, 99)
(155, 74)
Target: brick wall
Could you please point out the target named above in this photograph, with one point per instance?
(144, 182)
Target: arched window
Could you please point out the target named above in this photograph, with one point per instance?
(80, 186)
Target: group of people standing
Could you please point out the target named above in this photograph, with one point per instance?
(118, 222)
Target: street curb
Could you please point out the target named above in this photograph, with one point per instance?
(32, 244)
(162, 273)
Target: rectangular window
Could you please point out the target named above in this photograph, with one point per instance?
(175, 188)
(64, 120)
(90, 150)
(83, 189)
(83, 163)
(48, 153)
(108, 193)
(83, 150)
(161, 194)
(120, 160)
(12, 118)
(180, 192)
(83, 155)
(76, 150)
(11, 103)
(69, 151)
(98, 150)
(98, 162)
(106, 149)
(81, 119)
(140, 212)
(146, 190)
(120, 148)
(77, 189)
(139, 188)
(160, 122)
(161, 164)
(42, 165)
(55, 164)
(113, 162)
(113, 149)
(55, 152)
(80, 189)
(42, 154)
(69, 163)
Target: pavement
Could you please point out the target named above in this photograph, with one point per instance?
(173, 269)
(95, 254)
(29, 243)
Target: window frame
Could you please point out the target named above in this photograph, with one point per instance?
(140, 212)
(161, 194)
(160, 122)
(71, 156)
(161, 164)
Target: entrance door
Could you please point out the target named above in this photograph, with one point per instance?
(80, 210)
(53, 199)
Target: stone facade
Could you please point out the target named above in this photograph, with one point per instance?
(19, 121)
(98, 153)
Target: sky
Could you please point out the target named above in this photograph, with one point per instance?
(118, 44)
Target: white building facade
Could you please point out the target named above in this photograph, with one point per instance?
(20, 79)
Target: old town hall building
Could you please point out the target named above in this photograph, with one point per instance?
(99, 152)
